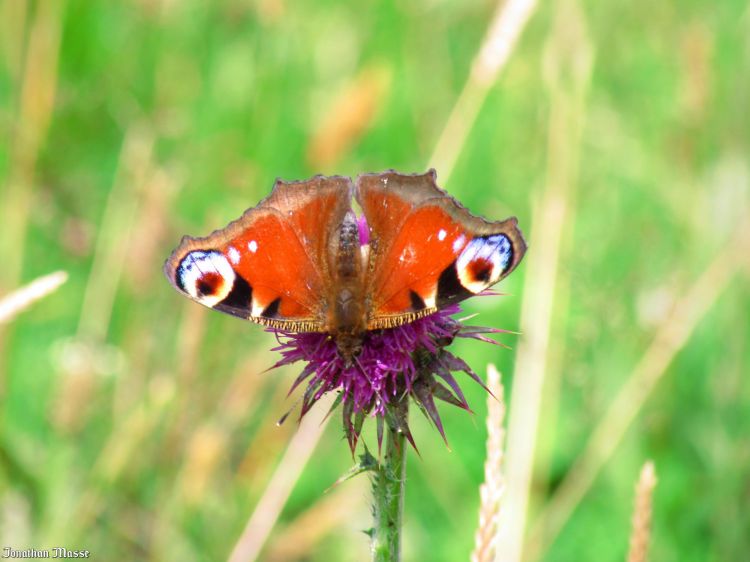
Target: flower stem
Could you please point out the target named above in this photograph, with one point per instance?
(388, 487)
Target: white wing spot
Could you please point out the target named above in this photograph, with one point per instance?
(234, 255)
(442, 234)
(252, 246)
(458, 243)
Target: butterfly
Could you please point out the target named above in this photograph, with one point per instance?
(301, 260)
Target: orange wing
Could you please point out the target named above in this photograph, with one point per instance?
(426, 250)
(271, 265)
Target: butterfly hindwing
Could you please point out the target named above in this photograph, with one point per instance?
(270, 266)
(426, 250)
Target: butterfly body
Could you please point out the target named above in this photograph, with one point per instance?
(299, 261)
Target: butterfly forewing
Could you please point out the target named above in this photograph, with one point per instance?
(426, 250)
(270, 266)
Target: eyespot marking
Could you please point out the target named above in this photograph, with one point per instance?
(484, 261)
(205, 275)
(208, 284)
(480, 270)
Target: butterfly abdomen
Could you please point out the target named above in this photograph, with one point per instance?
(348, 306)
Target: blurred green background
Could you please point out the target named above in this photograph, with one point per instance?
(140, 426)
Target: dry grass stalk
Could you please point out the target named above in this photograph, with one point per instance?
(74, 397)
(269, 442)
(243, 391)
(134, 167)
(18, 301)
(35, 107)
(282, 482)
(491, 491)
(641, 533)
(507, 24)
(349, 117)
(190, 337)
(150, 230)
(119, 454)
(12, 32)
(670, 338)
(206, 450)
(341, 507)
(568, 61)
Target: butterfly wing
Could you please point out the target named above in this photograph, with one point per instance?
(426, 250)
(271, 265)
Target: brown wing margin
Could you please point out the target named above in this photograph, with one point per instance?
(278, 252)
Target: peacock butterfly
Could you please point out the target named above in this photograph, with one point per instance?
(301, 261)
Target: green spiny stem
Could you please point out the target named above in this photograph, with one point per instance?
(388, 487)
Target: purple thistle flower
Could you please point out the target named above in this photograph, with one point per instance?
(409, 359)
